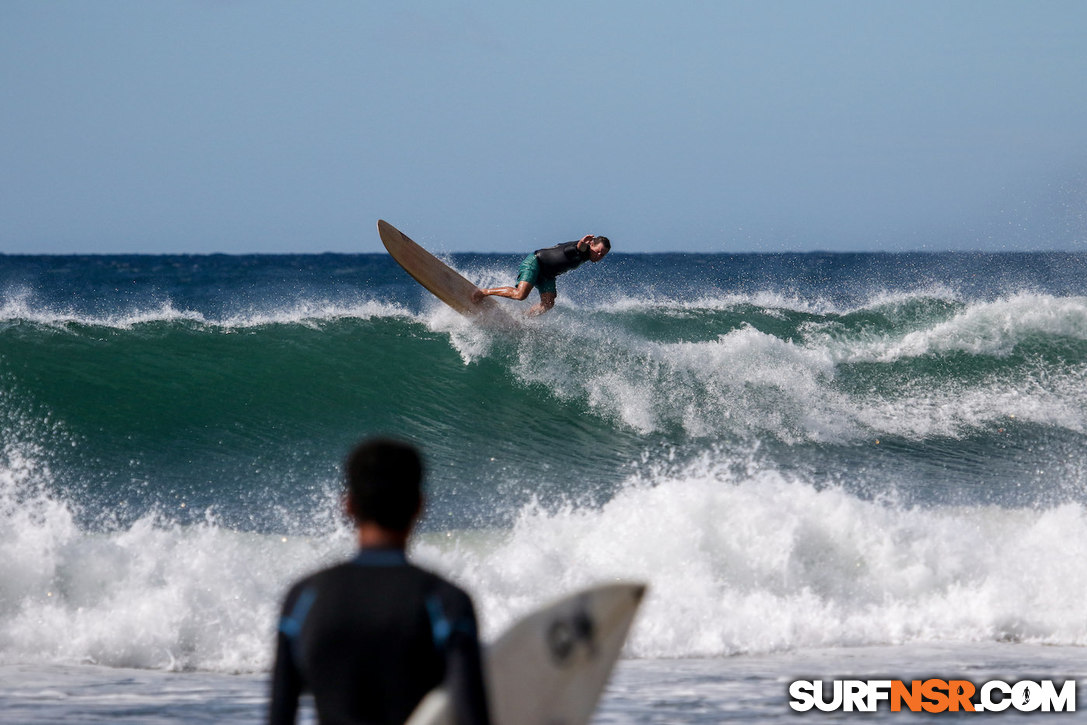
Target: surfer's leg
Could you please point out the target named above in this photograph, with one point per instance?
(526, 279)
(547, 301)
(519, 292)
(548, 292)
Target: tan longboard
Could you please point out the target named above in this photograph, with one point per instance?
(429, 271)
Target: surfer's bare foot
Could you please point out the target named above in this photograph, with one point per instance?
(478, 295)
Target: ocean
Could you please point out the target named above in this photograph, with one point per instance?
(824, 465)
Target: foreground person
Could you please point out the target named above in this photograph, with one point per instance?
(371, 636)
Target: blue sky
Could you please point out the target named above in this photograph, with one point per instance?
(263, 126)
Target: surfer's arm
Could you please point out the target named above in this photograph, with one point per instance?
(464, 671)
(287, 680)
(286, 686)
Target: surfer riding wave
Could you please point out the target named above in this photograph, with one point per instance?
(540, 269)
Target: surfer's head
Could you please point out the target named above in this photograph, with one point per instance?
(384, 483)
(598, 247)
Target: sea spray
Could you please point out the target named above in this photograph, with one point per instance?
(757, 563)
(794, 451)
(767, 563)
(151, 593)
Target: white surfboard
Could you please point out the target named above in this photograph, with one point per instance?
(550, 667)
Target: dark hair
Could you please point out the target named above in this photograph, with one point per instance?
(606, 241)
(385, 482)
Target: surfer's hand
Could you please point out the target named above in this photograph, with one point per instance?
(586, 239)
(478, 295)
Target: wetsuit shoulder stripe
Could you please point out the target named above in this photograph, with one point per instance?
(439, 623)
(442, 627)
(291, 624)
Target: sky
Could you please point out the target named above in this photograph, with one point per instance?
(241, 126)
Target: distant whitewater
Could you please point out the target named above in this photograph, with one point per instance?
(796, 451)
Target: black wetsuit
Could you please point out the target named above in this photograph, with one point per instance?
(370, 638)
(560, 258)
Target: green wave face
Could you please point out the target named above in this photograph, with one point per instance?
(189, 415)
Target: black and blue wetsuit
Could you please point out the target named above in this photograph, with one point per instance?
(542, 266)
(560, 258)
(370, 638)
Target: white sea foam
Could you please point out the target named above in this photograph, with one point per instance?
(750, 382)
(770, 302)
(981, 328)
(21, 306)
(765, 563)
(153, 594)
(749, 562)
(920, 410)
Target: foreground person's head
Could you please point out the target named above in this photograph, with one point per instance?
(384, 479)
